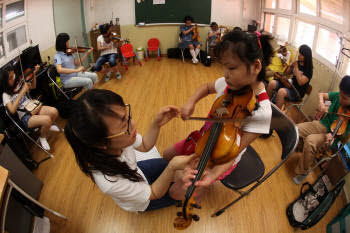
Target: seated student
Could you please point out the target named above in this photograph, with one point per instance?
(214, 35)
(279, 62)
(109, 53)
(15, 98)
(302, 70)
(66, 65)
(104, 140)
(244, 56)
(189, 38)
(317, 134)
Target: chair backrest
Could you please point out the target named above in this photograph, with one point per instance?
(153, 43)
(286, 130)
(126, 48)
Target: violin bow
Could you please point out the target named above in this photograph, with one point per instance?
(76, 45)
(210, 119)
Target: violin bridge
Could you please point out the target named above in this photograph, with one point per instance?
(221, 111)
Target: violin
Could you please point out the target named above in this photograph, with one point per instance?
(219, 144)
(195, 36)
(79, 49)
(283, 78)
(338, 128)
(222, 30)
(112, 36)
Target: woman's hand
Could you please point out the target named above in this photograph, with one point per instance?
(181, 161)
(166, 114)
(25, 87)
(322, 107)
(36, 69)
(80, 69)
(90, 50)
(187, 110)
(188, 175)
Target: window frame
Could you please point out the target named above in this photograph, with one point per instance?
(6, 27)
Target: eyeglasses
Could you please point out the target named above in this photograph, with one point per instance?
(128, 129)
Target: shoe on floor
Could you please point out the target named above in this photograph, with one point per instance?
(54, 128)
(44, 143)
(118, 75)
(108, 75)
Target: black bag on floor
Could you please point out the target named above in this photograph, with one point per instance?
(313, 203)
(174, 53)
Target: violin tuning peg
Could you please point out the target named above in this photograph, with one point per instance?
(179, 214)
(195, 217)
(196, 206)
(178, 203)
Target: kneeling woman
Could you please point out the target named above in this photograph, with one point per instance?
(104, 140)
(42, 116)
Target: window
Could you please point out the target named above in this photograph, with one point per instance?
(14, 10)
(2, 49)
(308, 7)
(285, 4)
(304, 34)
(270, 4)
(332, 10)
(269, 22)
(328, 45)
(282, 28)
(17, 37)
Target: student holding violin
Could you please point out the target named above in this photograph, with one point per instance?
(190, 38)
(244, 56)
(70, 68)
(107, 45)
(316, 134)
(215, 34)
(15, 97)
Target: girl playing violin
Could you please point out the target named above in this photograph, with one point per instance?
(187, 34)
(302, 70)
(215, 32)
(316, 134)
(43, 117)
(66, 65)
(244, 56)
(104, 139)
(109, 53)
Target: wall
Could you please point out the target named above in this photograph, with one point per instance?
(41, 25)
(224, 12)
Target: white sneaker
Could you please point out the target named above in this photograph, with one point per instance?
(44, 143)
(54, 128)
(194, 60)
(118, 75)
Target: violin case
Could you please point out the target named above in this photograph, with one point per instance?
(316, 199)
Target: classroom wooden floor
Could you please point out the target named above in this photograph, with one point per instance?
(147, 89)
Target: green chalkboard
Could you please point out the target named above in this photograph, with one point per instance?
(173, 11)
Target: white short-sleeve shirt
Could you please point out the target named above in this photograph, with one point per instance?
(6, 98)
(102, 42)
(259, 121)
(129, 195)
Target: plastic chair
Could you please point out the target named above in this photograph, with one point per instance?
(251, 169)
(15, 121)
(128, 52)
(153, 45)
(52, 74)
(299, 104)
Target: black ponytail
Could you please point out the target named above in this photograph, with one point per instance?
(248, 46)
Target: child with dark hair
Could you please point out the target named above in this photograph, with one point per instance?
(66, 65)
(213, 34)
(109, 53)
(244, 57)
(16, 100)
(186, 34)
(104, 139)
(302, 70)
(317, 134)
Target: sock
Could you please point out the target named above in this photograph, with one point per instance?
(192, 53)
(197, 52)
